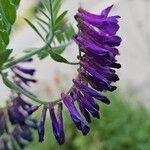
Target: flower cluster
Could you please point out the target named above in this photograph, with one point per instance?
(97, 41)
(57, 123)
(18, 112)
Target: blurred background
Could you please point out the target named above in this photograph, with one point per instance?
(125, 124)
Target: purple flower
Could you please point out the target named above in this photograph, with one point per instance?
(25, 70)
(85, 103)
(32, 109)
(16, 114)
(25, 80)
(83, 87)
(17, 139)
(24, 133)
(83, 110)
(18, 111)
(107, 25)
(76, 117)
(57, 123)
(41, 129)
(21, 73)
(97, 41)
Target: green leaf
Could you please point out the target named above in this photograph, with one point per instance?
(42, 21)
(10, 11)
(4, 55)
(34, 28)
(56, 7)
(60, 49)
(46, 4)
(40, 10)
(2, 44)
(7, 18)
(65, 35)
(59, 58)
(15, 2)
(5, 37)
(43, 54)
(61, 17)
(43, 27)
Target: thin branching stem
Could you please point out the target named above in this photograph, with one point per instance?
(50, 38)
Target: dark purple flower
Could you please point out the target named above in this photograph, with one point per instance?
(57, 123)
(85, 102)
(16, 114)
(17, 138)
(21, 75)
(81, 106)
(25, 80)
(32, 109)
(18, 111)
(97, 41)
(25, 70)
(25, 133)
(41, 129)
(76, 117)
(106, 24)
(90, 91)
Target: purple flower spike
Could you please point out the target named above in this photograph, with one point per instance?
(57, 123)
(25, 70)
(91, 92)
(106, 24)
(32, 109)
(76, 117)
(25, 133)
(81, 106)
(97, 42)
(16, 115)
(26, 80)
(87, 105)
(41, 129)
(106, 11)
(85, 112)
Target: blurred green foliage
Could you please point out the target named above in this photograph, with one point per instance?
(122, 127)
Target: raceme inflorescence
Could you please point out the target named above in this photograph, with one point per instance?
(97, 41)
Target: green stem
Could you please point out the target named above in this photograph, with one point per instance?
(15, 87)
(22, 58)
(59, 100)
(52, 17)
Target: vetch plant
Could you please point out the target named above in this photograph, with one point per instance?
(97, 40)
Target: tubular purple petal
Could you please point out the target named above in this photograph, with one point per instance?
(41, 128)
(25, 70)
(76, 117)
(57, 123)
